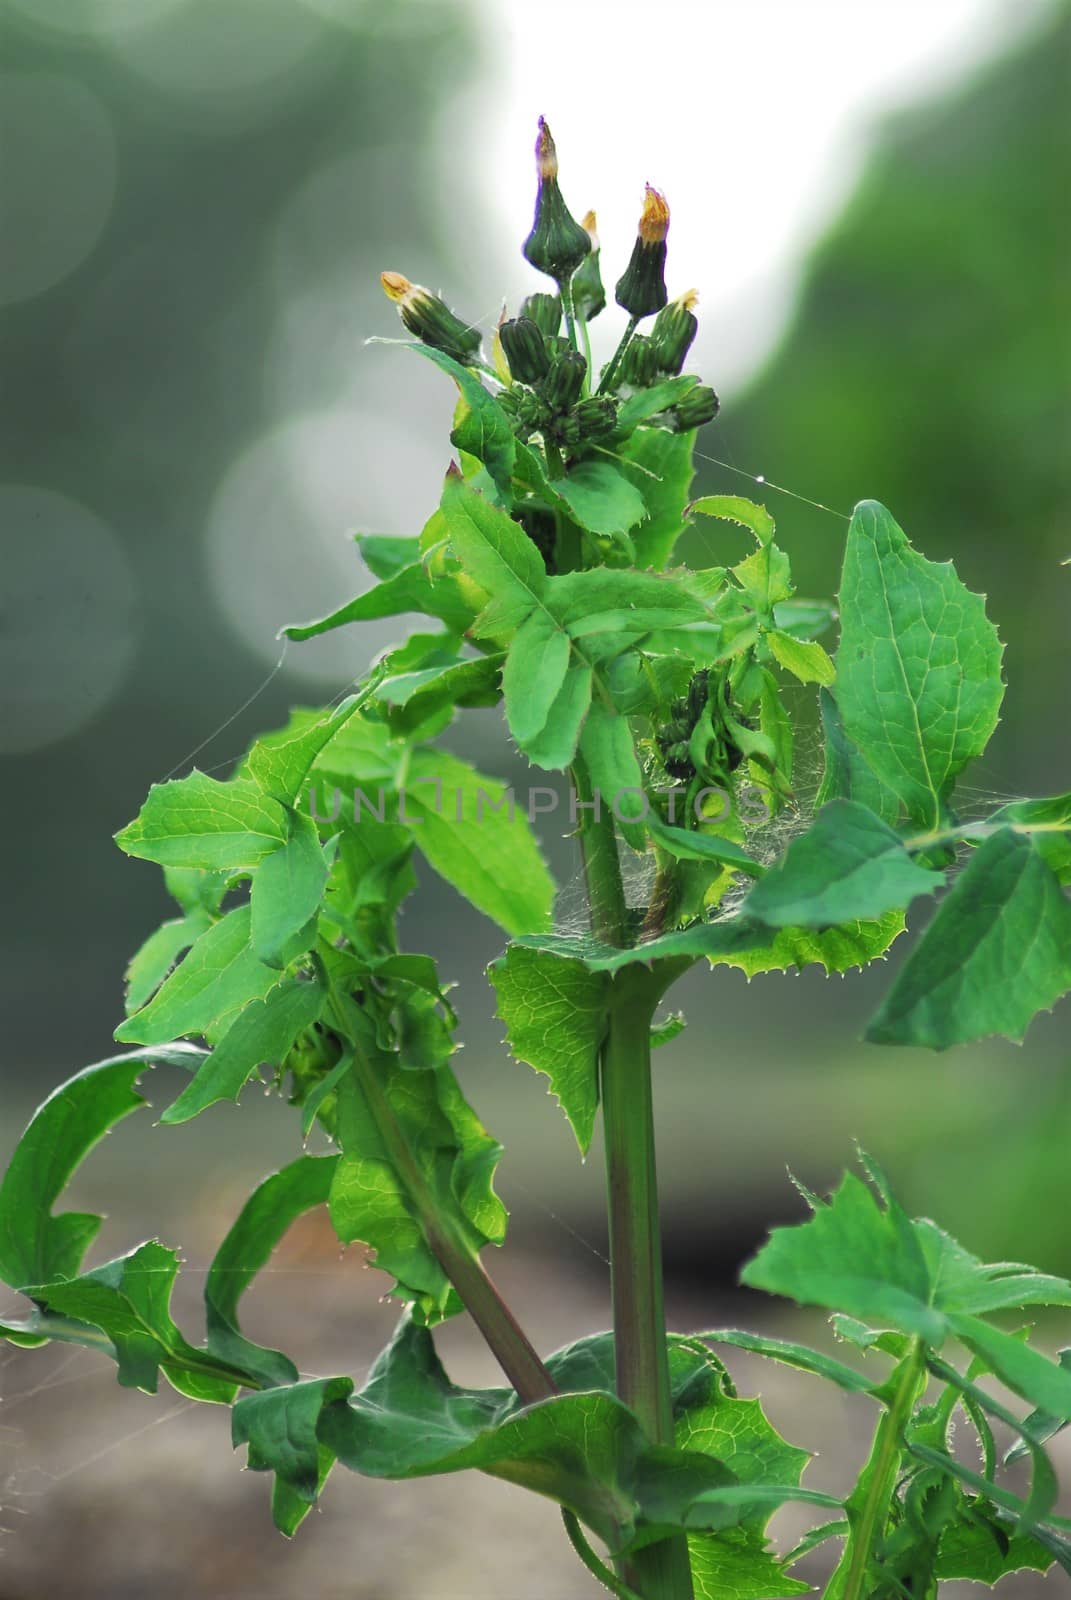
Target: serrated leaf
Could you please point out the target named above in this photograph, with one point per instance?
(659, 464)
(263, 1032)
(962, 1282)
(288, 887)
(533, 675)
(1025, 1371)
(601, 498)
(837, 949)
(280, 1428)
(793, 1355)
(856, 1256)
(494, 551)
(199, 822)
(153, 961)
(997, 952)
(370, 1200)
(735, 508)
(411, 589)
(805, 659)
(621, 603)
(971, 1550)
(280, 762)
(918, 669)
(220, 975)
(129, 1300)
(36, 1246)
(736, 1565)
(483, 846)
(848, 866)
(270, 1210)
(555, 1015)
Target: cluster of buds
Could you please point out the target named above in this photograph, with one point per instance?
(547, 383)
(677, 738)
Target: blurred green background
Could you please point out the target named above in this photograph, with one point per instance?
(197, 199)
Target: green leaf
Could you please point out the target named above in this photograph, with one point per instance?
(837, 949)
(689, 845)
(918, 669)
(609, 752)
(668, 456)
(846, 775)
(601, 498)
(478, 840)
(555, 1015)
(974, 1550)
(288, 887)
(385, 554)
(1025, 1371)
(36, 1246)
(369, 1199)
(533, 675)
(483, 430)
(848, 866)
(411, 589)
(263, 1032)
(220, 975)
(736, 1565)
(554, 747)
(997, 952)
(608, 600)
(807, 661)
(280, 762)
(856, 1256)
(804, 618)
(964, 1283)
(793, 1355)
(198, 822)
(1048, 823)
(735, 508)
(494, 551)
(647, 403)
(280, 1428)
(270, 1210)
(152, 963)
(129, 1300)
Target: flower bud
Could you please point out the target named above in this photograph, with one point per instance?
(525, 350)
(589, 296)
(562, 385)
(595, 418)
(641, 289)
(430, 318)
(639, 364)
(557, 243)
(545, 310)
(673, 332)
(699, 405)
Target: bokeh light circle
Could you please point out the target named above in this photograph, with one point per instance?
(217, 54)
(68, 616)
(279, 545)
(90, 20)
(58, 185)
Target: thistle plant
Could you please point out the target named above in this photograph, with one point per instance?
(551, 582)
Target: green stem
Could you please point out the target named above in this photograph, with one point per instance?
(496, 1322)
(565, 289)
(602, 865)
(871, 1518)
(615, 360)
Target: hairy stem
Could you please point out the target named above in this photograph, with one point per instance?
(496, 1322)
(869, 1518)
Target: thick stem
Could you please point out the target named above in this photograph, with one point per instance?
(662, 1571)
(602, 865)
(496, 1322)
(871, 1517)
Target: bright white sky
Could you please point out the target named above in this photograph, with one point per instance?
(752, 115)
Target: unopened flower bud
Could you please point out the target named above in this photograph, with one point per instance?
(545, 310)
(430, 318)
(673, 332)
(557, 243)
(641, 289)
(589, 296)
(525, 349)
(596, 418)
(639, 364)
(699, 405)
(562, 385)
